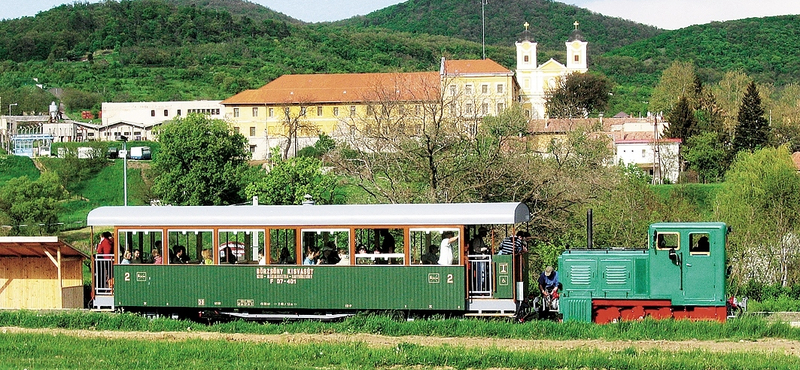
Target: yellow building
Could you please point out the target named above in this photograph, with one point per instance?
(293, 109)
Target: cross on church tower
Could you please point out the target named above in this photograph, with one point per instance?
(576, 25)
(526, 26)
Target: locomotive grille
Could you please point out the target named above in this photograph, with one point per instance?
(580, 274)
(616, 275)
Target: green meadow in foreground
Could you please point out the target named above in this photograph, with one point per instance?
(68, 352)
(745, 328)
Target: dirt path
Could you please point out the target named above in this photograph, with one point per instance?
(787, 347)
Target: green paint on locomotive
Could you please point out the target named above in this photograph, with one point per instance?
(290, 287)
(683, 263)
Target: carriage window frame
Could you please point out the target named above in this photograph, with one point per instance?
(332, 230)
(695, 251)
(119, 253)
(369, 258)
(677, 237)
(167, 248)
(457, 250)
(260, 243)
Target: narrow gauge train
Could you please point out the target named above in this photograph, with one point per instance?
(247, 262)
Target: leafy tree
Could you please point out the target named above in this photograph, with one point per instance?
(707, 156)
(201, 162)
(786, 118)
(753, 130)
(32, 203)
(324, 145)
(578, 95)
(729, 92)
(676, 81)
(289, 180)
(761, 201)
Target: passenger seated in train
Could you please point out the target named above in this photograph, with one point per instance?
(330, 254)
(207, 258)
(126, 258)
(432, 257)
(136, 256)
(312, 256)
(178, 255)
(285, 257)
(157, 260)
(361, 250)
(379, 260)
(227, 256)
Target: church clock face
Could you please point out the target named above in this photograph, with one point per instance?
(576, 45)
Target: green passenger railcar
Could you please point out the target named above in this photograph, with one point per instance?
(681, 274)
(278, 262)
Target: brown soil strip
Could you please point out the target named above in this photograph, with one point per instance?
(788, 347)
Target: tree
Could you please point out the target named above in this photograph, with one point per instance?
(289, 180)
(294, 123)
(729, 92)
(201, 162)
(578, 95)
(682, 122)
(706, 155)
(676, 81)
(35, 204)
(753, 130)
(761, 201)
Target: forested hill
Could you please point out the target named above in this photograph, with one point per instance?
(550, 22)
(767, 49)
(238, 8)
(71, 31)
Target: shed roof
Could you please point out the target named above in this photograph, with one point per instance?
(34, 246)
(313, 215)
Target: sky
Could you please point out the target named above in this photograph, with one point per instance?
(667, 14)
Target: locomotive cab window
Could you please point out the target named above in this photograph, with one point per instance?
(435, 246)
(667, 241)
(379, 247)
(326, 246)
(700, 243)
(241, 246)
(140, 243)
(185, 246)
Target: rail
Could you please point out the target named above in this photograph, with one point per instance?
(480, 275)
(103, 274)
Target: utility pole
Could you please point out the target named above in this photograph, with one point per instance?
(483, 26)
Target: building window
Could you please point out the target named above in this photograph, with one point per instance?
(152, 113)
(526, 59)
(418, 109)
(255, 112)
(166, 112)
(468, 89)
(452, 89)
(252, 131)
(286, 112)
(236, 112)
(179, 112)
(302, 111)
(468, 107)
(484, 109)
(484, 89)
(272, 112)
(236, 129)
(138, 133)
(500, 88)
(644, 153)
(319, 111)
(216, 111)
(577, 58)
(352, 111)
(500, 107)
(336, 111)
(252, 148)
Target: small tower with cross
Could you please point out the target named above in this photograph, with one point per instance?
(576, 51)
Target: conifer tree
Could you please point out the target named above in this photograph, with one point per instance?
(752, 131)
(682, 122)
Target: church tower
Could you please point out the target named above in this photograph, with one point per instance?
(576, 51)
(528, 74)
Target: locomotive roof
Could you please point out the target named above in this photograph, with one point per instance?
(312, 215)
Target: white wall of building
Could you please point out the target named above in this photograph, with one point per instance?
(151, 113)
(644, 153)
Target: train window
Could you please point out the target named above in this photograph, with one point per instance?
(326, 246)
(435, 246)
(140, 243)
(699, 243)
(190, 243)
(379, 247)
(668, 241)
(241, 246)
(283, 246)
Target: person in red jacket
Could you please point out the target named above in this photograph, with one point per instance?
(106, 245)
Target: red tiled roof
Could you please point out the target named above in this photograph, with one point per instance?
(344, 88)
(481, 66)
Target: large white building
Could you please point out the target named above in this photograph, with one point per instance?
(136, 120)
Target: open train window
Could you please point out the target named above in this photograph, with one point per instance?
(699, 243)
(379, 247)
(668, 241)
(140, 243)
(241, 246)
(427, 245)
(191, 241)
(326, 246)
(283, 246)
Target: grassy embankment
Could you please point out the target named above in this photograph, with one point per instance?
(66, 351)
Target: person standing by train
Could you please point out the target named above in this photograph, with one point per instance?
(548, 285)
(106, 245)
(445, 250)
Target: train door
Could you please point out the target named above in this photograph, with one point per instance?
(699, 269)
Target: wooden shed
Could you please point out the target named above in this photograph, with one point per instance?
(40, 273)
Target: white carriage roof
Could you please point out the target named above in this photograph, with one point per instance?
(313, 215)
